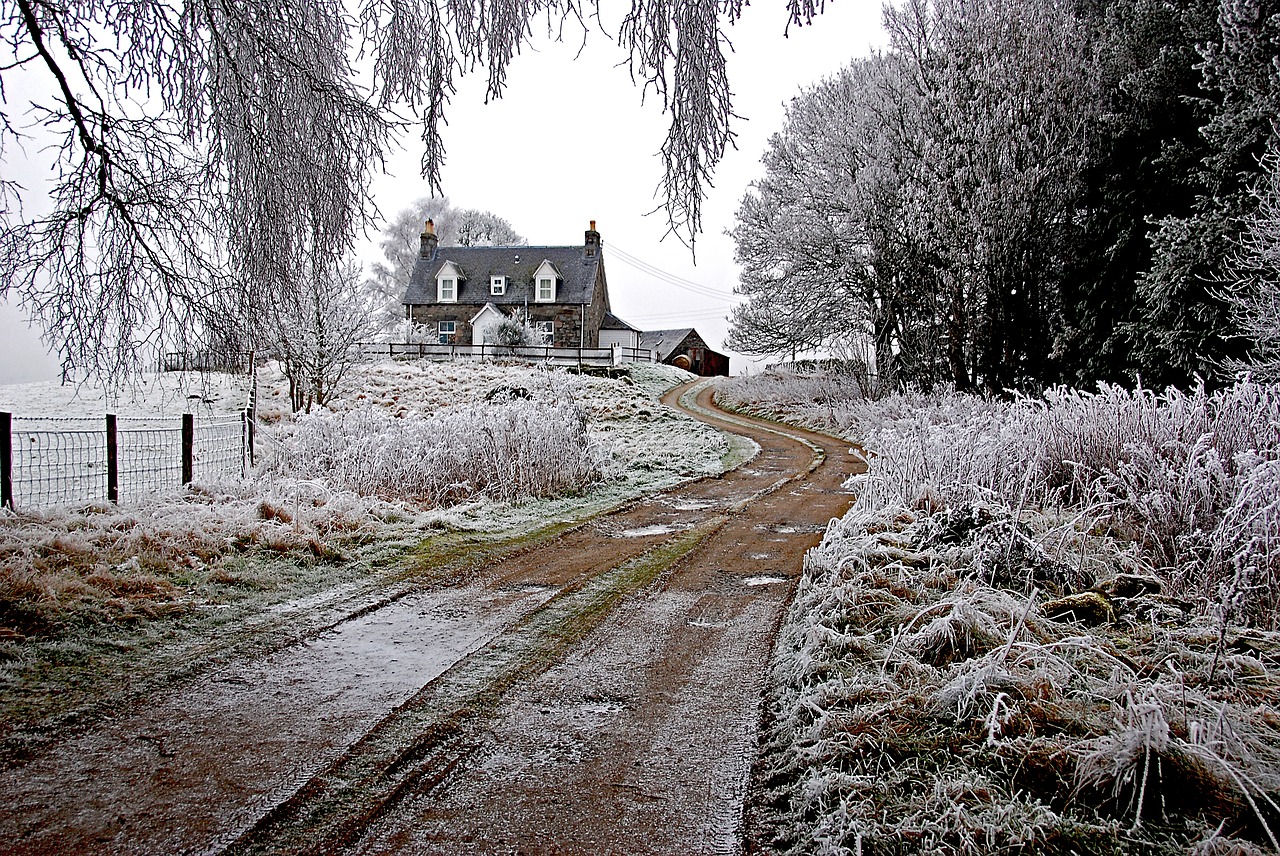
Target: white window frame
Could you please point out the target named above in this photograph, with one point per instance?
(448, 283)
(445, 331)
(546, 331)
(497, 285)
(548, 275)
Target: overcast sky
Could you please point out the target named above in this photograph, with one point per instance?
(570, 142)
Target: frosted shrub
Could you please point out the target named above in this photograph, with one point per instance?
(818, 398)
(507, 451)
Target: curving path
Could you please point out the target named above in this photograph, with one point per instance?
(596, 693)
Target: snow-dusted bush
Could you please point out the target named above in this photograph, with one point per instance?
(504, 450)
(820, 398)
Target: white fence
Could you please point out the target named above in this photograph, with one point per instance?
(614, 356)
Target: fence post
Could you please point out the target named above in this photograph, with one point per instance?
(188, 446)
(249, 420)
(113, 465)
(6, 461)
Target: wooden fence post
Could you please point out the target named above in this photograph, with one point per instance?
(6, 461)
(113, 464)
(188, 446)
(248, 436)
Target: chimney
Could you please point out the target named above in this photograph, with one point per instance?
(591, 247)
(429, 241)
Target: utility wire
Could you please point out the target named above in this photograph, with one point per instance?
(707, 315)
(669, 278)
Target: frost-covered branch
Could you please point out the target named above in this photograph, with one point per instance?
(218, 148)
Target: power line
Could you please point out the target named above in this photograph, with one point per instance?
(707, 315)
(669, 278)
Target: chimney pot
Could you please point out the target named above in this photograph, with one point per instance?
(429, 241)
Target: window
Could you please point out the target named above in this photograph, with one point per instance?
(497, 285)
(448, 292)
(546, 331)
(546, 289)
(447, 329)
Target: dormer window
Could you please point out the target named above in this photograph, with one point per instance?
(497, 285)
(447, 281)
(544, 283)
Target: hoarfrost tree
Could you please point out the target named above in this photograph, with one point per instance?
(212, 146)
(929, 191)
(466, 227)
(314, 334)
(1183, 326)
(800, 249)
(1254, 296)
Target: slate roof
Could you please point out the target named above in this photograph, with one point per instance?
(613, 322)
(517, 264)
(663, 342)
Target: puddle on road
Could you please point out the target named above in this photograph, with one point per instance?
(655, 529)
(763, 580)
(707, 622)
(690, 505)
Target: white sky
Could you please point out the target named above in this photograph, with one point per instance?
(570, 142)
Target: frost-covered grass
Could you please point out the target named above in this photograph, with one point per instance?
(924, 701)
(422, 448)
(162, 394)
(819, 399)
(1046, 624)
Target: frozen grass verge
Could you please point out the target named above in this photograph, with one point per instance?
(926, 700)
(1047, 625)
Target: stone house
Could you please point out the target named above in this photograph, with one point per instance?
(461, 293)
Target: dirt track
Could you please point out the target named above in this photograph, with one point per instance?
(596, 693)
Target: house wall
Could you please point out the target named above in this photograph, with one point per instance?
(625, 338)
(429, 315)
(567, 318)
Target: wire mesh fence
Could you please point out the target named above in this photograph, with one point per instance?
(47, 462)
